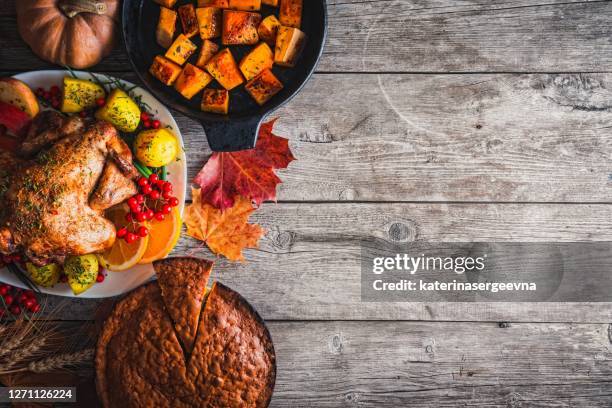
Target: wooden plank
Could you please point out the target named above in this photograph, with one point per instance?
(419, 364)
(432, 36)
(399, 364)
(498, 138)
(308, 264)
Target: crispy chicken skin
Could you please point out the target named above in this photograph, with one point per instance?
(54, 201)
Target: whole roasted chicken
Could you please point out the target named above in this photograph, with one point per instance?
(54, 193)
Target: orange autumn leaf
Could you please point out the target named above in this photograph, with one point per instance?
(226, 233)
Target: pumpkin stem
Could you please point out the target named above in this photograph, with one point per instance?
(73, 7)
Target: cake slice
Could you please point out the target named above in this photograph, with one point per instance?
(183, 287)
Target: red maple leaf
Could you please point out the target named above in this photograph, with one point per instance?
(248, 173)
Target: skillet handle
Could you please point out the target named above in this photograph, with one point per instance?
(232, 135)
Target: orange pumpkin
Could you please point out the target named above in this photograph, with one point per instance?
(76, 33)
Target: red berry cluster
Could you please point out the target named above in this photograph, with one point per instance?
(148, 122)
(17, 300)
(51, 96)
(154, 201)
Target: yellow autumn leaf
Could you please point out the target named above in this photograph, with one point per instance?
(226, 233)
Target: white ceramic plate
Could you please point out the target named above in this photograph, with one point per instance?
(115, 283)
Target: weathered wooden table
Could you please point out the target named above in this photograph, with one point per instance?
(435, 120)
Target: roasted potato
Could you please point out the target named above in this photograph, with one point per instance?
(45, 276)
(290, 14)
(215, 101)
(213, 3)
(156, 147)
(289, 45)
(18, 94)
(166, 3)
(268, 29)
(189, 20)
(82, 272)
(263, 87)
(181, 49)
(224, 69)
(240, 27)
(208, 50)
(260, 58)
(166, 27)
(80, 94)
(273, 3)
(246, 5)
(165, 70)
(191, 81)
(209, 22)
(121, 111)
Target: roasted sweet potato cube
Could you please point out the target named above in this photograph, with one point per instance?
(289, 45)
(263, 87)
(273, 3)
(224, 69)
(290, 13)
(246, 5)
(268, 29)
(213, 3)
(191, 81)
(240, 27)
(215, 101)
(166, 27)
(165, 70)
(209, 20)
(208, 50)
(180, 50)
(189, 20)
(260, 58)
(166, 3)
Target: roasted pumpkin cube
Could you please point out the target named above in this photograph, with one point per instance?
(246, 5)
(213, 3)
(208, 50)
(273, 3)
(209, 20)
(240, 27)
(224, 69)
(260, 58)
(215, 101)
(165, 70)
(263, 87)
(268, 29)
(189, 20)
(166, 27)
(181, 49)
(166, 3)
(289, 45)
(290, 13)
(191, 81)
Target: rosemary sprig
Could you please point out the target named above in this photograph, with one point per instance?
(25, 279)
(70, 70)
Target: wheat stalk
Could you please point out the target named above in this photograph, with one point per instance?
(14, 340)
(61, 361)
(26, 352)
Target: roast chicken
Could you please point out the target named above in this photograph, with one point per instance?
(53, 193)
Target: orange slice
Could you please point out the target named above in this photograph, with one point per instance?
(122, 256)
(164, 236)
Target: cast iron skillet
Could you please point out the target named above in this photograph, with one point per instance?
(238, 130)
